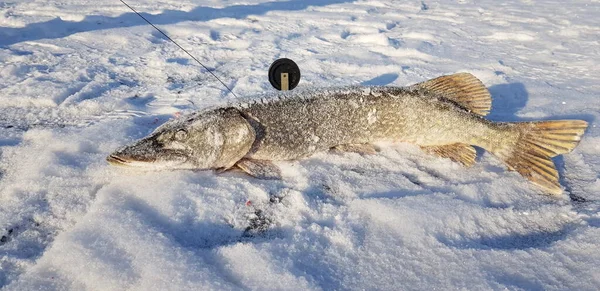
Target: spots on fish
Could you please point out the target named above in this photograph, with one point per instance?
(240, 134)
(366, 91)
(315, 138)
(372, 116)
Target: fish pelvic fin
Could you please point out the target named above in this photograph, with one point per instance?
(458, 152)
(538, 142)
(462, 88)
(261, 169)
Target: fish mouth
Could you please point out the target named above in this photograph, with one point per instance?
(121, 160)
(140, 153)
(118, 161)
(147, 153)
(176, 160)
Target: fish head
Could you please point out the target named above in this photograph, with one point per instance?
(206, 140)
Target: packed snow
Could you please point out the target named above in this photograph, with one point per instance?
(79, 79)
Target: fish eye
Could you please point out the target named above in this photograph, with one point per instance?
(181, 134)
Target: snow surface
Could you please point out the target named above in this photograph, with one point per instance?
(81, 78)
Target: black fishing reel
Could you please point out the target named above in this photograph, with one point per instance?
(284, 74)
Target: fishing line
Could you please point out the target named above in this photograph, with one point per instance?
(191, 56)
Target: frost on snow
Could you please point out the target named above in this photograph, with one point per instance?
(78, 80)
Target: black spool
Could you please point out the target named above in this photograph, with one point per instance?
(281, 66)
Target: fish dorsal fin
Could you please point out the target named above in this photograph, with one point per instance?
(462, 88)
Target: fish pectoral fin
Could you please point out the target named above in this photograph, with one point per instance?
(261, 169)
(462, 88)
(361, 148)
(458, 152)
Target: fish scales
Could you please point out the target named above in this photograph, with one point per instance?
(444, 116)
(309, 122)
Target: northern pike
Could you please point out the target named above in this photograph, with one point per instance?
(444, 116)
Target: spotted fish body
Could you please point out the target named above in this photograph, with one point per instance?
(301, 125)
(444, 116)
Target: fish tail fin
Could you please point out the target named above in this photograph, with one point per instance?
(537, 144)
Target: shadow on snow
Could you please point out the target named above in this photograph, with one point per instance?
(58, 28)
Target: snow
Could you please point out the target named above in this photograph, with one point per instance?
(79, 79)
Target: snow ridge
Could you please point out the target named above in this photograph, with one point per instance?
(79, 79)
